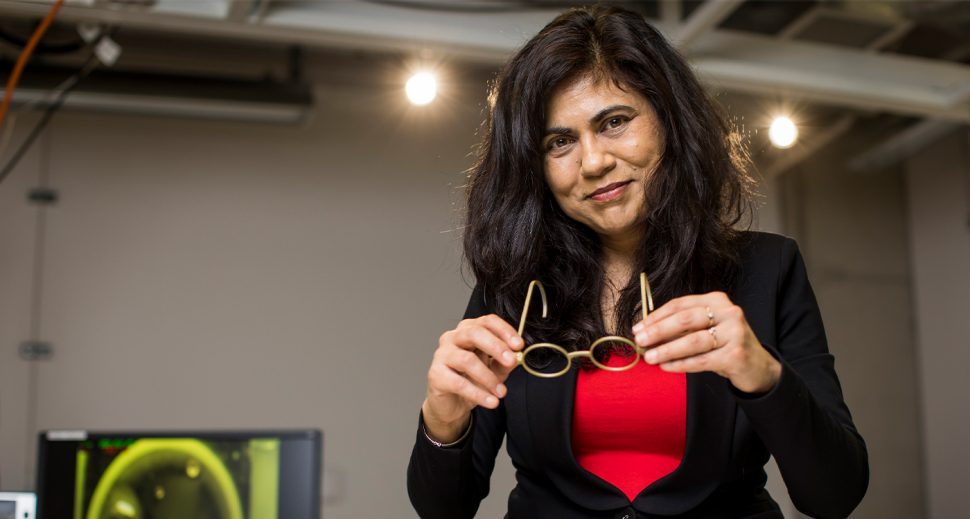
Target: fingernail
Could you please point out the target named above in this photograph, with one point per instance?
(650, 357)
(500, 390)
(491, 401)
(641, 338)
(637, 328)
(507, 357)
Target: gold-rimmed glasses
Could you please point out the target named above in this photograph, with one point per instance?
(541, 351)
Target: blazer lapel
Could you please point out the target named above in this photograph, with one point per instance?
(550, 401)
(711, 412)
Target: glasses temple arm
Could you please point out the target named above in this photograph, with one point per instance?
(528, 301)
(646, 297)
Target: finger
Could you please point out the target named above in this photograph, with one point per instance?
(503, 330)
(679, 324)
(690, 345)
(478, 338)
(673, 306)
(502, 371)
(448, 381)
(709, 361)
(470, 365)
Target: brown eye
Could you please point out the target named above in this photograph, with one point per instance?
(558, 142)
(615, 122)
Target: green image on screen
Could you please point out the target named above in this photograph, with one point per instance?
(177, 478)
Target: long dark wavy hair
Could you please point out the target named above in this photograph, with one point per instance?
(515, 230)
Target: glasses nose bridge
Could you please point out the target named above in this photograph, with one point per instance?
(579, 354)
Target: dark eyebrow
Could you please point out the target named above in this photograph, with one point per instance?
(604, 112)
(557, 130)
(560, 130)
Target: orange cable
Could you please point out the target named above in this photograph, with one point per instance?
(24, 56)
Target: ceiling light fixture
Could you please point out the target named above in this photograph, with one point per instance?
(783, 133)
(421, 89)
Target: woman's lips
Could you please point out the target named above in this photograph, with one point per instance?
(609, 192)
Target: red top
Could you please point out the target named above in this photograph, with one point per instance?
(629, 427)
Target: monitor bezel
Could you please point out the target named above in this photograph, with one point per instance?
(25, 503)
(315, 466)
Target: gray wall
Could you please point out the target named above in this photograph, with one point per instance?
(204, 274)
(851, 230)
(938, 179)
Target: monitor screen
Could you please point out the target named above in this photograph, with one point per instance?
(174, 475)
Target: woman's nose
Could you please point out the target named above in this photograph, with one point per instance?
(596, 159)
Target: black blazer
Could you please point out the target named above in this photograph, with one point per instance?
(803, 422)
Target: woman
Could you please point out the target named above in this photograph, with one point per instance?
(603, 158)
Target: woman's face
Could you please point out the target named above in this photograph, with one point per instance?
(601, 146)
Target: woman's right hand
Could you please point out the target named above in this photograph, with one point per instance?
(468, 369)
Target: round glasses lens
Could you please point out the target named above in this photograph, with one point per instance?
(547, 360)
(614, 353)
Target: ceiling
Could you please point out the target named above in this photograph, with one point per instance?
(895, 71)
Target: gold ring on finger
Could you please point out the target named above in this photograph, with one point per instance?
(710, 316)
(713, 331)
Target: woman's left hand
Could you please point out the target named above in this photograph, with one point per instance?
(707, 332)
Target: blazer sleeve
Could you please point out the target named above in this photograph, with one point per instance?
(450, 482)
(803, 420)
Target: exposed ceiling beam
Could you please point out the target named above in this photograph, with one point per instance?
(487, 38)
(218, 9)
(900, 26)
(834, 75)
(241, 10)
(908, 142)
(894, 34)
(734, 61)
(185, 106)
(902, 145)
(260, 12)
(704, 19)
(799, 24)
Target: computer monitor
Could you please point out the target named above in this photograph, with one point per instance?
(18, 505)
(179, 474)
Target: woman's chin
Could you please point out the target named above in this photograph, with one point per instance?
(619, 232)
